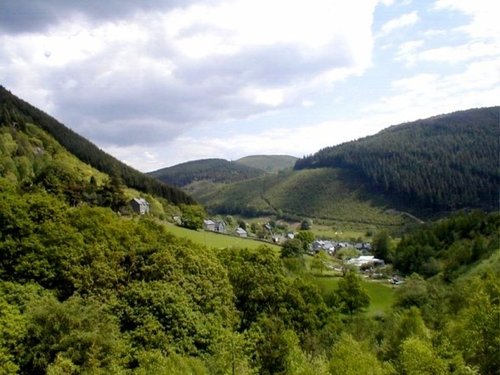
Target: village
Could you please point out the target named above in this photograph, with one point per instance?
(342, 254)
(336, 255)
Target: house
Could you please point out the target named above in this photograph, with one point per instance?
(214, 226)
(327, 246)
(366, 260)
(139, 206)
(220, 227)
(241, 232)
(209, 225)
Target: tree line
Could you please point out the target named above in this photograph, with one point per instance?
(83, 290)
(442, 163)
(215, 170)
(18, 113)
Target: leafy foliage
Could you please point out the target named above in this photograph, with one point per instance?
(449, 245)
(18, 113)
(350, 294)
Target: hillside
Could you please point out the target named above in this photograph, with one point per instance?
(86, 290)
(426, 168)
(324, 193)
(269, 163)
(18, 113)
(443, 163)
(213, 170)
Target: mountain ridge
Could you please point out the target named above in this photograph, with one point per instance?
(451, 162)
(14, 110)
(214, 170)
(445, 162)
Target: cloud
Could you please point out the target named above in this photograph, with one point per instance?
(33, 16)
(407, 51)
(428, 94)
(402, 21)
(113, 69)
(483, 16)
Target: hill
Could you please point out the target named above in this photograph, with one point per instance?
(425, 168)
(328, 194)
(269, 163)
(443, 163)
(18, 113)
(213, 170)
(84, 290)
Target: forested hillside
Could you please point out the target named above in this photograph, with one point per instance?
(323, 193)
(85, 289)
(442, 163)
(269, 163)
(213, 170)
(16, 112)
(449, 246)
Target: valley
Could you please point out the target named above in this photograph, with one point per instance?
(89, 284)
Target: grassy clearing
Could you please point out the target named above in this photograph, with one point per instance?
(215, 240)
(381, 295)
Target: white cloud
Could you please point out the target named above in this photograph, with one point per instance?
(460, 53)
(183, 67)
(402, 21)
(407, 51)
(484, 16)
(427, 94)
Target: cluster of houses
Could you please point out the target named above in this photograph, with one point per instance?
(219, 226)
(332, 246)
(365, 261)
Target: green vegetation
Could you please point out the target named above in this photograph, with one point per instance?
(381, 295)
(17, 113)
(449, 246)
(86, 288)
(442, 163)
(269, 163)
(325, 194)
(217, 240)
(214, 170)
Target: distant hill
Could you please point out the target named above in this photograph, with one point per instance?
(269, 163)
(18, 113)
(443, 163)
(426, 168)
(212, 170)
(325, 193)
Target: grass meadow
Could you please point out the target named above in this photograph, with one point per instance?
(217, 240)
(381, 295)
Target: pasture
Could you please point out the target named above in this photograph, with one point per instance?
(217, 240)
(381, 295)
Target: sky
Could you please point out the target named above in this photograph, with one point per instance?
(160, 82)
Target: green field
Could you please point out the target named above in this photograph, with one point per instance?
(381, 295)
(215, 240)
(324, 194)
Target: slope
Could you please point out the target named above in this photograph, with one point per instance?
(329, 194)
(213, 170)
(443, 163)
(32, 160)
(269, 163)
(19, 113)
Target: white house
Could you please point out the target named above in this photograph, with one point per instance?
(139, 205)
(365, 260)
(241, 232)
